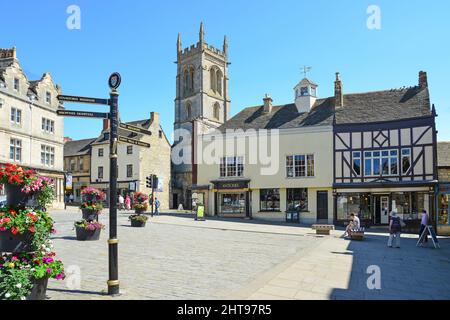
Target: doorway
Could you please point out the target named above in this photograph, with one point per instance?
(322, 206)
(382, 210)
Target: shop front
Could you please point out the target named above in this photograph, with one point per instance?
(443, 198)
(374, 206)
(232, 198)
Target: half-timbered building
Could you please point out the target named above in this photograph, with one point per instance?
(384, 154)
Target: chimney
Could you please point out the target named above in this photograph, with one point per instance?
(338, 92)
(267, 104)
(67, 139)
(154, 118)
(423, 80)
(105, 124)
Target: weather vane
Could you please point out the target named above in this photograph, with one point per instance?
(305, 70)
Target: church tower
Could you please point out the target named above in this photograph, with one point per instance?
(202, 103)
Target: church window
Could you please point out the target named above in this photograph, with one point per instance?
(213, 79)
(188, 110)
(186, 81)
(216, 111)
(191, 78)
(219, 82)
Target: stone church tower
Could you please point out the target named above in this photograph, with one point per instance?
(201, 104)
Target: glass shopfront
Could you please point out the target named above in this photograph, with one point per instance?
(232, 203)
(443, 224)
(408, 205)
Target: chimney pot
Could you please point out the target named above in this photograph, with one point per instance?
(338, 92)
(154, 118)
(267, 104)
(105, 124)
(423, 79)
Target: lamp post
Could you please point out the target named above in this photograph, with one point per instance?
(113, 282)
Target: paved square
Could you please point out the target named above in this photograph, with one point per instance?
(175, 257)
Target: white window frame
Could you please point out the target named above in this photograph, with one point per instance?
(15, 150)
(47, 155)
(48, 97)
(235, 161)
(296, 163)
(15, 116)
(409, 155)
(380, 158)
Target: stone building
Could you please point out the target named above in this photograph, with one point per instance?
(77, 165)
(31, 133)
(135, 163)
(202, 103)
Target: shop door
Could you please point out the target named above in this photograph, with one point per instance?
(384, 209)
(322, 206)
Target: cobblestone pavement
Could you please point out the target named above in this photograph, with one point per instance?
(175, 257)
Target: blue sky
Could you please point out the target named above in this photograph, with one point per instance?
(269, 42)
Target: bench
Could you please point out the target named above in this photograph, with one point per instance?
(357, 234)
(323, 229)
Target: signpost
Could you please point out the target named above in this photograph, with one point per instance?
(83, 100)
(82, 114)
(135, 142)
(134, 129)
(114, 83)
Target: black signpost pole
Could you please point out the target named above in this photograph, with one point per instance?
(113, 282)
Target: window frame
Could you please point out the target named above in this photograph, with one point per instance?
(261, 201)
(101, 152)
(300, 166)
(236, 166)
(129, 171)
(100, 173)
(15, 149)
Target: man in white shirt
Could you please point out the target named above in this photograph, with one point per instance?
(121, 202)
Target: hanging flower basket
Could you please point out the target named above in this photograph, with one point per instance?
(14, 195)
(10, 242)
(39, 289)
(90, 214)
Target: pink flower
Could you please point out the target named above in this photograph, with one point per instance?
(59, 276)
(49, 270)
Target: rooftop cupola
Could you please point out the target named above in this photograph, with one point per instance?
(305, 95)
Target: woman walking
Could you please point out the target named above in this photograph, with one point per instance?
(128, 202)
(395, 229)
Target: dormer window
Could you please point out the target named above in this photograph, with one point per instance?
(16, 84)
(48, 97)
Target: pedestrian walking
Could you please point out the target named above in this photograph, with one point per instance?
(128, 202)
(121, 202)
(423, 225)
(194, 205)
(395, 229)
(157, 204)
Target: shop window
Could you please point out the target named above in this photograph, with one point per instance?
(232, 203)
(297, 199)
(383, 163)
(443, 208)
(354, 203)
(269, 199)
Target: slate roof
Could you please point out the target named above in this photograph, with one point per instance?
(78, 147)
(375, 106)
(443, 153)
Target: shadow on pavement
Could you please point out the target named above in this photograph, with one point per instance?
(407, 273)
(78, 292)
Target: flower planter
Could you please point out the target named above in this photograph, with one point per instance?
(14, 196)
(138, 224)
(90, 214)
(87, 235)
(15, 243)
(39, 289)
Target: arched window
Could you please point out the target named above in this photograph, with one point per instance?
(191, 70)
(213, 82)
(185, 81)
(216, 111)
(188, 110)
(219, 82)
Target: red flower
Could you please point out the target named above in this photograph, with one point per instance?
(32, 229)
(13, 212)
(14, 230)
